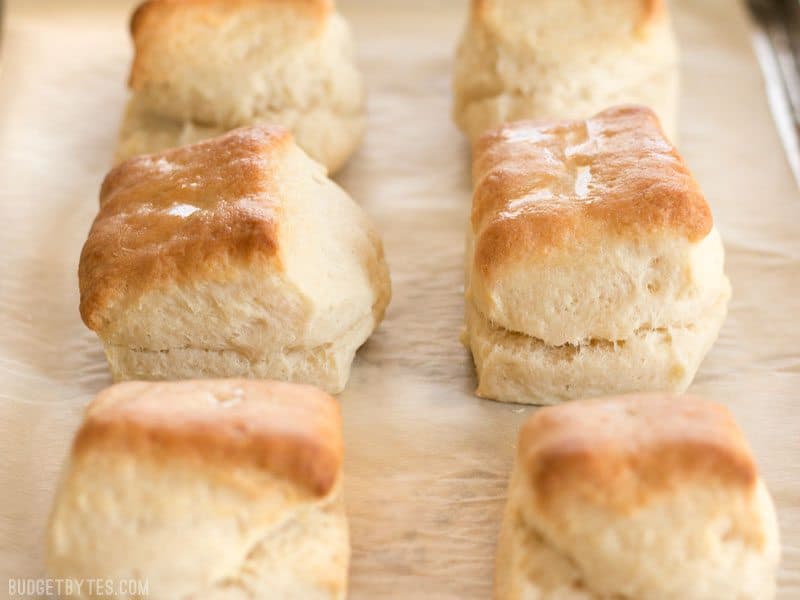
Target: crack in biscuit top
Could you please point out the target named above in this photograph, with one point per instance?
(190, 212)
(540, 185)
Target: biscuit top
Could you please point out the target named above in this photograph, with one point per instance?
(182, 213)
(150, 12)
(289, 430)
(157, 23)
(641, 13)
(620, 452)
(160, 13)
(546, 184)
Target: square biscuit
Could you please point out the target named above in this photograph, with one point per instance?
(236, 256)
(639, 496)
(206, 489)
(593, 264)
(203, 67)
(544, 59)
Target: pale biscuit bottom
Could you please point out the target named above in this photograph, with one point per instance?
(328, 135)
(659, 92)
(513, 367)
(326, 366)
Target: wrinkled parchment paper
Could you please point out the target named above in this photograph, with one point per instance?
(426, 461)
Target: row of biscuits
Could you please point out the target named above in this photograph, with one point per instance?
(221, 250)
(593, 268)
(232, 489)
(202, 68)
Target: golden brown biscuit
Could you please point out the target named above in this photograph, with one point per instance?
(206, 489)
(203, 67)
(640, 496)
(536, 59)
(236, 256)
(593, 263)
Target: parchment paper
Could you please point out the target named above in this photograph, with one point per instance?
(426, 461)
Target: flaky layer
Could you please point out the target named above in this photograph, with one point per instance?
(513, 367)
(326, 366)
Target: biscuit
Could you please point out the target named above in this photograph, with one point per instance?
(593, 263)
(640, 496)
(205, 489)
(203, 67)
(234, 257)
(535, 59)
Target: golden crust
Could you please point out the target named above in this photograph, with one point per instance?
(651, 11)
(163, 18)
(619, 452)
(654, 10)
(170, 217)
(544, 184)
(208, 10)
(289, 430)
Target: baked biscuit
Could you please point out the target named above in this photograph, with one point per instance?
(652, 496)
(534, 59)
(234, 257)
(205, 489)
(594, 265)
(203, 67)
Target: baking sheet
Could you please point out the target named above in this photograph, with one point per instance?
(426, 462)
